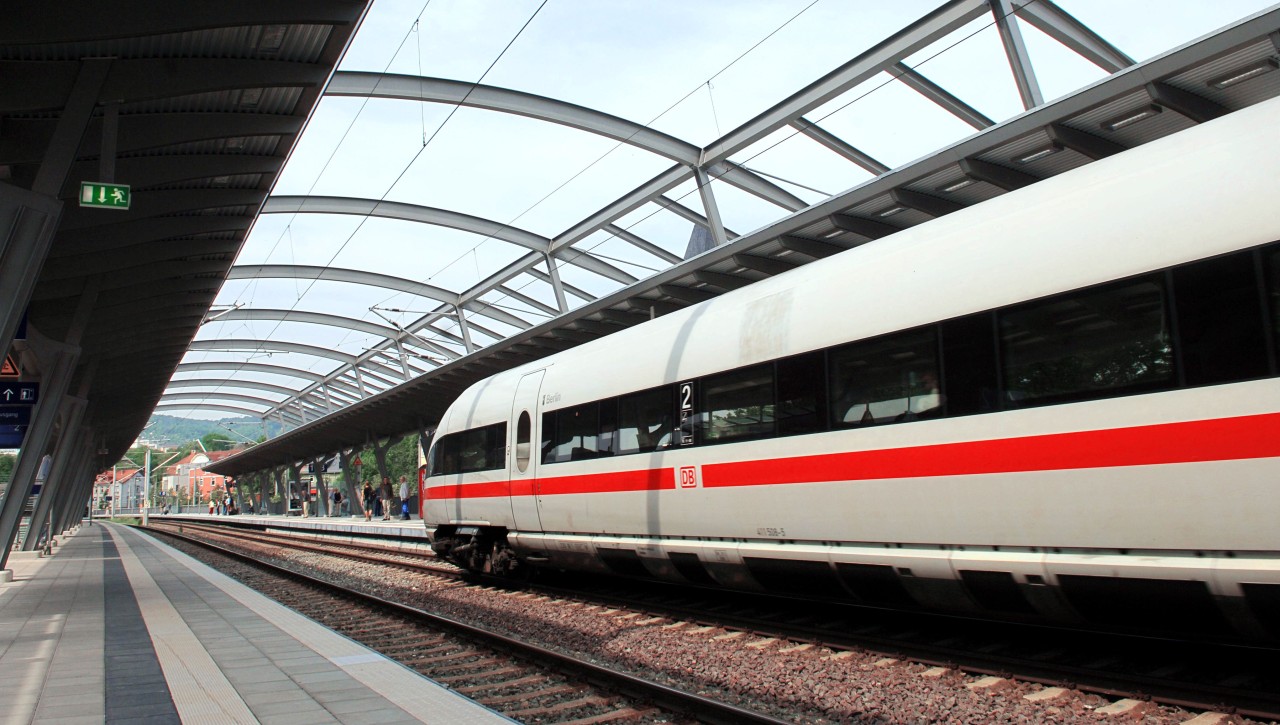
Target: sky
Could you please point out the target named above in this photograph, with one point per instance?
(694, 70)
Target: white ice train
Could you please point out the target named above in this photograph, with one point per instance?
(1060, 404)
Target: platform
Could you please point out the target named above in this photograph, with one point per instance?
(115, 627)
(413, 530)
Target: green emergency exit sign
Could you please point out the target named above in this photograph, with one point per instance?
(109, 196)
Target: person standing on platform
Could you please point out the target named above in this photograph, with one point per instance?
(211, 504)
(366, 496)
(384, 493)
(404, 498)
(337, 501)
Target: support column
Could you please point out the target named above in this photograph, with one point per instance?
(464, 329)
(380, 453)
(322, 490)
(557, 286)
(1016, 50)
(345, 457)
(82, 478)
(53, 388)
(276, 474)
(710, 207)
(294, 484)
(70, 412)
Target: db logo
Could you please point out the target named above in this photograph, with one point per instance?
(688, 477)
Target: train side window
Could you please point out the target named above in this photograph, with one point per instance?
(1221, 333)
(738, 405)
(969, 360)
(524, 432)
(1094, 343)
(468, 451)
(890, 379)
(646, 421)
(608, 427)
(482, 449)
(801, 394)
(577, 434)
(548, 435)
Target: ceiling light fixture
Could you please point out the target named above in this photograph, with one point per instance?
(1038, 154)
(1131, 118)
(1239, 75)
(891, 211)
(833, 234)
(956, 185)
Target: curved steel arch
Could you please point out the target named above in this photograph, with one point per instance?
(313, 318)
(211, 406)
(457, 93)
(249, 367)
(505, 100)
(442, 218)
(233, 383)
(233, 397)
(337, 274)
(406, 212)
(372, 279)
(230, 344)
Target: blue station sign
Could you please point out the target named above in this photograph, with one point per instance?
(11, 436)
(11, 415)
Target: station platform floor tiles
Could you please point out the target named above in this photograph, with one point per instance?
(116, 627)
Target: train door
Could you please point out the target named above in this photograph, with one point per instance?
(524, 441)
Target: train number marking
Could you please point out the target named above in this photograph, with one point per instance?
(776, 532)
(688, 477)
(685, 433)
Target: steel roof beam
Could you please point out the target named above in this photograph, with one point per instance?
(248, 345)
(632, 200)
(491, 98)
(1058, 24)
(681, 210)
(877, 59)
(232, 383)
(248, 367)
(996, 175)
(311, 318)
(209, 406)
(233, 397)
(641, 243)
(1197, 108)
(838, 145)
(1015, 49)
(941, 96)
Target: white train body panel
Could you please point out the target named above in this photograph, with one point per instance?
(1202, 192)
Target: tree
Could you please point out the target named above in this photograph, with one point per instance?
(6, 467)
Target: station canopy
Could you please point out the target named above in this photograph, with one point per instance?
(193, 108)
(483, 185)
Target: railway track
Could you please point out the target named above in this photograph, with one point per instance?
(1135, 672)
(523, 681)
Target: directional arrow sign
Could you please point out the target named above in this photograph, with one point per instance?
(11, 415)
(106, 196)
(19, 393)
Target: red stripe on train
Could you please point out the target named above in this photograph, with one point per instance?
(1255, 436)
(645, 480)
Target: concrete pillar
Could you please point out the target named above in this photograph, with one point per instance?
(53, 388)
(65, 449)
